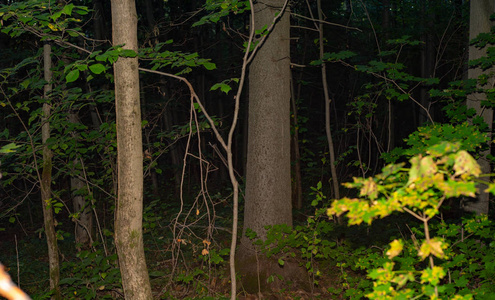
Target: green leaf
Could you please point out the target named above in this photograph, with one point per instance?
(128, 53)
(56, 15)
(73, 33)
(81, 67)
(82, 10)
(9, 148)
(72, 76)
(97, 68)
(209, 66)
(68, 9)
(222, 86)
(102, 57)
(432, 276)
(24, 19)
(197, 107)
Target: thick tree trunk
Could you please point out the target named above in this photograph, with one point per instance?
(480, 22)
(128, 217)
(46, 180)
(268, 181)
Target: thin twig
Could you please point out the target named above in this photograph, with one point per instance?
(17, 257)
(325, 22)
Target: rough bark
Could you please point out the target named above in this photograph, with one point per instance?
(268, 182)
(480, 12)
(46, 179)
(128, 217)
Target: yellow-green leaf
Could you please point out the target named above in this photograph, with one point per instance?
(434, 247)
(427, 167)
(414, 171)
(52, 27)
(369, 189)
(466, 164)
(433, 275)
(395, 249)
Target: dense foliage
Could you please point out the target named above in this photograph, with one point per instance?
(406, 143)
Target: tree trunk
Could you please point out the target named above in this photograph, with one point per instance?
(99, 21)
(128, 217)
(328, 130)
(297, 185)
(268, 181)
(427, 61)
(84, 223)
(46, 180)
(176, 154)
(480, 12)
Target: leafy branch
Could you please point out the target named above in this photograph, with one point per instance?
(444, 171)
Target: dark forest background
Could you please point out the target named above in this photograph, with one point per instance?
(397, 76)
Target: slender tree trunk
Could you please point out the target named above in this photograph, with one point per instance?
(297, 185)
(148, 5)
(479, 23)
(175, 151)
(84, 224)
(386, 35)
(101, 33)
(46, 180)
(98, 21)
(386, 19)
(427, 60)
(129, 214)
(328, 130)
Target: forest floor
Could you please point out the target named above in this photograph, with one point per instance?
(23, 252)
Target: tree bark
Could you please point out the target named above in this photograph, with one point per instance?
(480, 12)
(46, 180)
(268, 181)
(129, 212)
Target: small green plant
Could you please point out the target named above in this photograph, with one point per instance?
(443, 172)
(93, 276)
